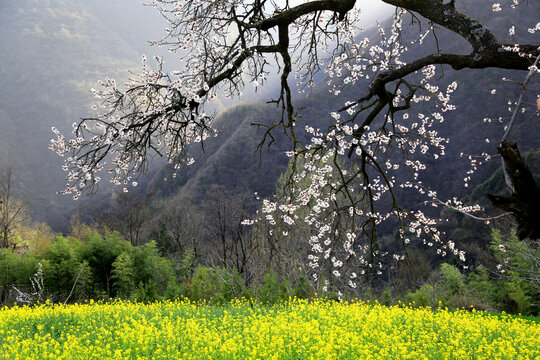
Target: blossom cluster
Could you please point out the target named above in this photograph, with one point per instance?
(348, 174)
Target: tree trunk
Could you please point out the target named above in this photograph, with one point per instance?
(524, 201)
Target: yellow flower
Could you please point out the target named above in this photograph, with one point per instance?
(299, 329)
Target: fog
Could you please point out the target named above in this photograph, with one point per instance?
(51, 53)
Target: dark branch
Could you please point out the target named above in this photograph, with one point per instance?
(524, 202)
(288, 16)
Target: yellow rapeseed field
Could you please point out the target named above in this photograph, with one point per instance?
(296, 330)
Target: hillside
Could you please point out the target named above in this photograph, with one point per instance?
(228, 160)
(51, 54)
(54, 51)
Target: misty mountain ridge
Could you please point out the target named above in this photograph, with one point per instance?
(67, 47)
(53, 52)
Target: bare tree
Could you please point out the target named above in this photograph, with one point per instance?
(12, 211)
(233, 245)
(228, 45)
(130, 215)
(183, 225)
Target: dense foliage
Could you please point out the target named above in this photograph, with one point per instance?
(107, 267)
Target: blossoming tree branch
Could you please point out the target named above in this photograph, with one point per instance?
(344, 182)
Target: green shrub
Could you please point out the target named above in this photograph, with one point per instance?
(425, 296)
(146, 293)
(186, 266)
(453, 281)
(60, 268)
(302, 288)
(149, 267)
(123, 275)
(511, 298)
(386, 297)
(101, 252)
(84, 288)
(272, 291)
(204, 284)
(231, 286)
(15, 270)
(481, 289)
(173, 291)
(518, 289)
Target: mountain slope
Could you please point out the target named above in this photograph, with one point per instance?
(227, 161)
(51, 53)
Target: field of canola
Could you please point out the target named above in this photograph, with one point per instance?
(298, 330)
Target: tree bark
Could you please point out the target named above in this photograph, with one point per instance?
(524, 201)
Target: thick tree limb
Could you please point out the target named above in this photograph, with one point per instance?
(288, 16)
(449, 17)
(524, 202)
(487, 50)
